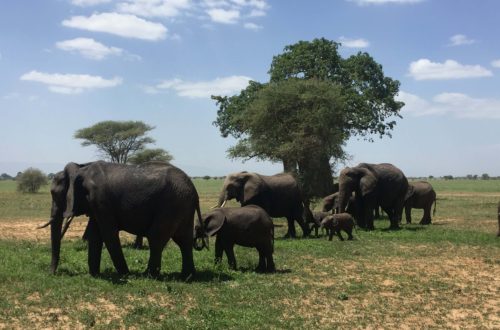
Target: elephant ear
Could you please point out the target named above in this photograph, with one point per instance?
(214, 222)
(253, 186)
(410, 192)
(76, 196)
(367, 183)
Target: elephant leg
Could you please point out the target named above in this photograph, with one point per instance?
(262, 260)
(271, 268)
(111, 238)
(291, 228)
(219, 249)
(95, 244)
(339, 234)
(138, 243)
(408, 213)
(426, 219)
(229, 249)
(156, 246)
(349, 234)
(185, 243)
(330, 234)
(376, 213)
(369, 218)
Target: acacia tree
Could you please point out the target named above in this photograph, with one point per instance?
(148, 155)
(314, 102)
(116, 140)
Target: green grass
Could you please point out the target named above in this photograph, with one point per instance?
(439, 276)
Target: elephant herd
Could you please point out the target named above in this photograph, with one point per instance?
(158, 201)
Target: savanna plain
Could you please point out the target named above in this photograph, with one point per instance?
(446, 275)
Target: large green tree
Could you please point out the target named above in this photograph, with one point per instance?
(315, 101)
(116, 140)
(148, 155)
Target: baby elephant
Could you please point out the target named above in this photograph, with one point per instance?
(248, 226)
(334, 223)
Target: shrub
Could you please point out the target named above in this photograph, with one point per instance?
(31, 180)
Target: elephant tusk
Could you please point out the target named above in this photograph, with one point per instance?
(215, 206)
(46, 224)
(225, 201)
(66, 226)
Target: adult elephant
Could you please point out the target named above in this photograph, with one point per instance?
(279, 195)
(374, 184)
(156, 200)
(420, 195)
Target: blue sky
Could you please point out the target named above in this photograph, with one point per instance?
(67, 64)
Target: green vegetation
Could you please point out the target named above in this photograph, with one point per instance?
(314, 102)
(439, 276)
(31, 180)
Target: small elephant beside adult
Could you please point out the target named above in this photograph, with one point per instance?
(248, 226)
(421, 195)
(374, 184)
(279, 195)
(156, 200)
(335, 223)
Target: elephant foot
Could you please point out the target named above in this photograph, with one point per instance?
(288, 235)
(425, 222)
(188, 276)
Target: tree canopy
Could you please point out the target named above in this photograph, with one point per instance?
(147, 155)
(314, 102)
(116, 140)
(31, 180)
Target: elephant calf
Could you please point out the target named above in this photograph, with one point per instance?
(248, 226)
(420, 195)
(334, 223)
(318, 216)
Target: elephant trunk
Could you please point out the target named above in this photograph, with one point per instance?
(55, 238)
(343, 201)
(222, 198)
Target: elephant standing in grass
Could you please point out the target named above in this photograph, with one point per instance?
(248, 226)
(279, 195)
(420, 195)
(156, 200)
(374, 184)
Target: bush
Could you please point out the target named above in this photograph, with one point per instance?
(31, 180)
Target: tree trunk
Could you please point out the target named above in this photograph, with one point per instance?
(315, 175)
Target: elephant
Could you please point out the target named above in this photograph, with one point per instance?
(279, 195)
(334, 223)
(331, 203)
(498, 211)
(420, 195)
(374, 184)
(156, 200)
(318, 216)
(248, 226)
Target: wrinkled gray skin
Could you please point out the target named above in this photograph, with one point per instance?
(335, 223)
(248, 226)
(420, 195)
(279, 195)
(155, 200)
(374, 184)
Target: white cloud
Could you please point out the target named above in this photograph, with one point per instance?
(124, 25)
(354, 43)
(383, 2)
(454, 104)
(86, 3)
(70, 83)
(424, 69)
(88, 48)
(257, 13)
(224, 16)
(155, 8)
(202, 89)
(495, 63)
(460, 40)
(252, 26)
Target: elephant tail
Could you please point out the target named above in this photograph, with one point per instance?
(435, 204)
(272, 239)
